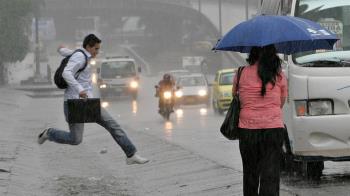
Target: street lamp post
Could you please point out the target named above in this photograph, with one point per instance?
(220, 19)
(37, 52)
(38, 78)
(200, 11)
(246, 9)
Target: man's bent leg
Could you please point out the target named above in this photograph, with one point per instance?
(117, 133)
(73, 137)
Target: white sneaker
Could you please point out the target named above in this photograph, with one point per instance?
(42, 137)
(136, 159)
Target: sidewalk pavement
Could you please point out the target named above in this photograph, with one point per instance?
(40, 91)
(9, 105)
(173, 170)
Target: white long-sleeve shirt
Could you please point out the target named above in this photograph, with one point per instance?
(83, 82)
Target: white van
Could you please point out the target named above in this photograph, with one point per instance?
(317, 111)
(118, 76)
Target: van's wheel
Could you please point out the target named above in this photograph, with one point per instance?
(289, 165)
(216, 108)
(221, 112)
(314, 170)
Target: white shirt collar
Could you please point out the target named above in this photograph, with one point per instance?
(87, 53)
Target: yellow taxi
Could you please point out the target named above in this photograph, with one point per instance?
(222, 89)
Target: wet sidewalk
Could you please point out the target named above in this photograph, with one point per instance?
(9, 145)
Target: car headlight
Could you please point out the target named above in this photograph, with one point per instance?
(167, 95)
(103, 86)
(92, 62)
(202, 93)
(134, 84)
(321, 107)
(314, 107)
(104, 104)
(178, 94)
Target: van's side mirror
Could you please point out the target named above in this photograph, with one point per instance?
(98, 70)
(139, 69)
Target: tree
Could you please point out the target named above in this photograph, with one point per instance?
(15, 20)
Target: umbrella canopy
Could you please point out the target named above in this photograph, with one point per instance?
(288, 34)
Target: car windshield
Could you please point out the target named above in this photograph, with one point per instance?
(117, 69)
(333, 15)
(192, 81)
(178, 73)
(226, 78)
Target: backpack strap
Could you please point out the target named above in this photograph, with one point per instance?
(85, 65)
(239, 72)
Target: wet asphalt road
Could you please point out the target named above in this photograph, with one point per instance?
(196, 128)
(188, 154)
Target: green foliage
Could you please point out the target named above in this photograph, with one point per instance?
(15, 20)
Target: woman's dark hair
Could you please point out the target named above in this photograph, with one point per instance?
(91, 40)
(269, 67)
(254, 55)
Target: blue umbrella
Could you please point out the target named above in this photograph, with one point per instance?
(288, 34)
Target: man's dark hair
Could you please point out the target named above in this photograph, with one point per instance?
(91, 40)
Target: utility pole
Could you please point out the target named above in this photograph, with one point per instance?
(259, 6)
(220, 19)
(246, 9)
(38, 78)
(200, 11)
(37, 47)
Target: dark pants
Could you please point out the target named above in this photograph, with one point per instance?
(261, 152)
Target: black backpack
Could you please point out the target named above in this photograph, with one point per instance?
(58, 79)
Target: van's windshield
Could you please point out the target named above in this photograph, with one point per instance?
(334, 15)
(117, 69)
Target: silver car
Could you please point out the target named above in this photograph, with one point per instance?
(192, 89)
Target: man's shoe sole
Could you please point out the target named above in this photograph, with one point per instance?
(135, 162)
(40, 139)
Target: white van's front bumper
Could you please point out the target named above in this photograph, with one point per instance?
(327, 136)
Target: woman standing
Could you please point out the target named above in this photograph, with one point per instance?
(262, 91)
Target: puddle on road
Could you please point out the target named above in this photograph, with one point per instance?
(298, 181)
(89, 186)
(5, 171)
